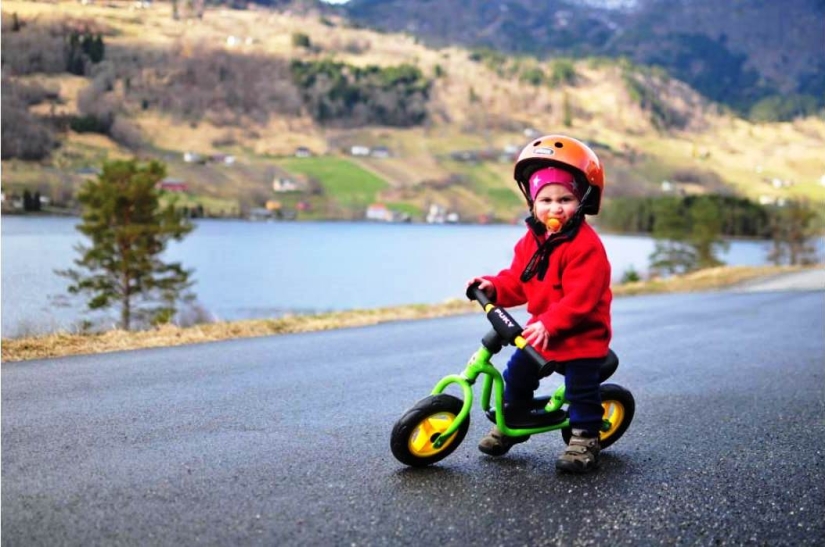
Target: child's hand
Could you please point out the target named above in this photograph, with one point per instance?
(485, 285)
(536, 335)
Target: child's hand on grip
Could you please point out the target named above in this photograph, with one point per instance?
(485, 285)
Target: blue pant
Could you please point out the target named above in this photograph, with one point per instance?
(581, 381)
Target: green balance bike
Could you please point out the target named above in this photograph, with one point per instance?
(435, 426)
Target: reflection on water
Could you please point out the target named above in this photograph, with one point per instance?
(251, 270)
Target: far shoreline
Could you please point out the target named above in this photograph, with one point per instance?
(63, 344)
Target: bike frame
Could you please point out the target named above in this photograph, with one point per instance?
(493, 385)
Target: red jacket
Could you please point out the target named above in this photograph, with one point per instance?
(573, 300)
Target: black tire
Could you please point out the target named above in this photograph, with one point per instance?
(434, 413)
(619, 407)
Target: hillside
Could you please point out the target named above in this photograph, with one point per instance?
(737, 53)
(220, 86)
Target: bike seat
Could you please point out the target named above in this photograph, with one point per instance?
(606, 369)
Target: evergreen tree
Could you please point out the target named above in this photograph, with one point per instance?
(705, 236)
(129, 230)
(27, 201)
(670, 230)
(792, 229)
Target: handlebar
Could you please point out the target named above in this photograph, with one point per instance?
(504, 324)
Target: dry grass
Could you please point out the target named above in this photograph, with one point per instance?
(64, 344)
(708, 279)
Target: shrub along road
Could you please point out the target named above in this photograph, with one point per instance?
(284, 440)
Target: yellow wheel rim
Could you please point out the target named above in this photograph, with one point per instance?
(422, 437)
(613, 413)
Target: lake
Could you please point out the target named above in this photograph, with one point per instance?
(268, 269)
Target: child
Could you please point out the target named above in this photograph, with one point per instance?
(561, 272)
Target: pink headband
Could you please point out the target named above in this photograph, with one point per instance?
(553, 175)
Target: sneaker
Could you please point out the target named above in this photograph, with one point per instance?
(497, 444)
(581, 455)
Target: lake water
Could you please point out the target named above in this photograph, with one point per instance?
(267, 269)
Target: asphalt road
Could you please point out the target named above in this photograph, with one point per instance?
(285, 440)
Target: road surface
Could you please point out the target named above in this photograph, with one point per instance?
(284, 440)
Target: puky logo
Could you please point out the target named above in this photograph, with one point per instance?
(503, 316)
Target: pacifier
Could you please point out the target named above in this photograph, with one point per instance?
(553, 224)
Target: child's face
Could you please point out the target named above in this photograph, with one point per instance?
(554, 201)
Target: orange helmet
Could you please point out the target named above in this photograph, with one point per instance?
(568, 153)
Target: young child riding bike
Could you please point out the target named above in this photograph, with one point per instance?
(560, 270)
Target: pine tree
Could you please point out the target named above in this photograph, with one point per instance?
(706, 218)
(129, 230)
(793, 228)
(671, 229)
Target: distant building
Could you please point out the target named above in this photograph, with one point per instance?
(282, 185)
(260, 213)
(222, 158)
(303, 152)
(379, 212)
(359, 150)
(464, 155)
(380, 152)
(437, 214)
(173, 185)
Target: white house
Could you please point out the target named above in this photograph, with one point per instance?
(437, 214)
(284, 185)
(380, 152)
(379, 212)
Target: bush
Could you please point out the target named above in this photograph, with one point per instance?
(563, 72)
(336, 92)
(125, 134)
(24, 135)
(630, 275)
(222, 87)
(34, 49)
(533, 76)
(299, 39)
(777, 108)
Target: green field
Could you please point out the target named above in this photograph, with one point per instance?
(489, 182)
(342, 181)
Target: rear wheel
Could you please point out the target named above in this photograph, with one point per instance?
(619, 408)
(414, 435)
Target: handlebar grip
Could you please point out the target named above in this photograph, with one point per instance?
(503, 323)
(475, 293)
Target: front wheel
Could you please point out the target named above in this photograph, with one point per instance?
(414, 434)
(619, 408)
